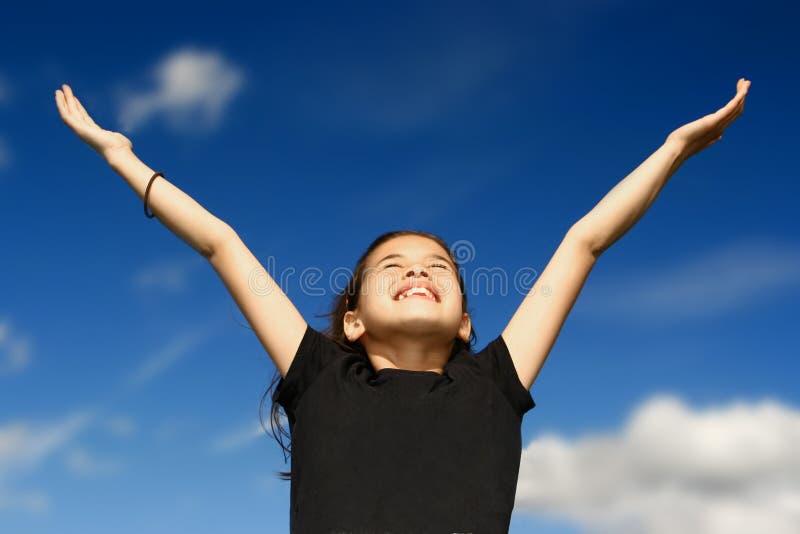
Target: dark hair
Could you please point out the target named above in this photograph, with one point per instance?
(346, 301)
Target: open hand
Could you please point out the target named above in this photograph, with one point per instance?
(695, 136)
(75, 116)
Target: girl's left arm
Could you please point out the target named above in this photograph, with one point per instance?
(534, 327)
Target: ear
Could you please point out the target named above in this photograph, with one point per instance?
(353, 326)
(465, 328)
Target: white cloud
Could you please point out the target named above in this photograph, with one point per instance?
(192, 90)
(171, 275)
(15, 350)
(82, 463)
(723, 279)
(726, 469)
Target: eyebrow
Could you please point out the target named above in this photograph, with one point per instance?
(437, 256)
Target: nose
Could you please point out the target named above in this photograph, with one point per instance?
(417, 269)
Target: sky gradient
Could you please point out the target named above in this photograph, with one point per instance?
(130, 382)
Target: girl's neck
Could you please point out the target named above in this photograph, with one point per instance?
(409, 353)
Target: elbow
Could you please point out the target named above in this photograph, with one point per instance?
(222, 235)
(590, 242)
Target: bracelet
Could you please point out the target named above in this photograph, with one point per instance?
(147, 192)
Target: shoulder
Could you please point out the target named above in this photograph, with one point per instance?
(494, 363)
(316, 353)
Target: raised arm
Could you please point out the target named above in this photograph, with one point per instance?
(534, 327)
(274, 318)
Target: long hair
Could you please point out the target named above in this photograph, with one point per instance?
(347, 301)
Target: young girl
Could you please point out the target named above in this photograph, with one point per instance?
(396, 425)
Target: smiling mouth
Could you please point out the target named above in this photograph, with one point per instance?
(417, 292)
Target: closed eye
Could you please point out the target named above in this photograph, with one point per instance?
(432, 265)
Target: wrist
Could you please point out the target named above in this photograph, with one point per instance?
(677, 148)
(114, 155)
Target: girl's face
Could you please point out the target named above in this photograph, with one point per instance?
(384, 307)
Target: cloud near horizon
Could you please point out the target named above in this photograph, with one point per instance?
(731, 469)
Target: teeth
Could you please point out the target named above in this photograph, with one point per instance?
(415, 290)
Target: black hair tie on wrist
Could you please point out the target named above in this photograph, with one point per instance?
(147, 193)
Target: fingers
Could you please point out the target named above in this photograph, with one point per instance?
(743, 86)
(71, 109)
(735, 107)
(732, 103)
(727, 120)
(70, 100)
(741, 92)
(83, 112)
(74, 106)
(63, 109)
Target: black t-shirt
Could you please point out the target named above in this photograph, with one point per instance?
(400, 451)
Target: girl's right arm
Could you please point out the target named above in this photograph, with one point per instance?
(274, 318)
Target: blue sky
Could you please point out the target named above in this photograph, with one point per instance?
(129, 381)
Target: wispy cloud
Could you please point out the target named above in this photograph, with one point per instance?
(192, 90)
(242, 436)
(25, 446)
(723, 279)
(176, 349)
(171, 276)
(83, 463)
(15, 350)
(238, 438)
(120, 426)
(731, 469)
(33, 501)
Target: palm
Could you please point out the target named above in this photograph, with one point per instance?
(75, 116)
(705, 131)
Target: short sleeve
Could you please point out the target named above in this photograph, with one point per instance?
(495, 360)
(315, 352)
